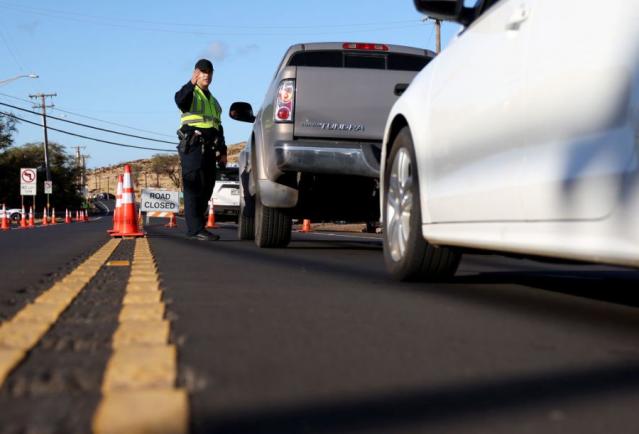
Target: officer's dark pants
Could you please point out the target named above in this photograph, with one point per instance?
(198, 187)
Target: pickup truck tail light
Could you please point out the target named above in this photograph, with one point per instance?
(364, 46)
(285, 101)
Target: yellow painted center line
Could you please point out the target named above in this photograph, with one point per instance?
(22, 332)
(139, 394)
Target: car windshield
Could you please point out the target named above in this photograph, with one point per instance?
(227, 174)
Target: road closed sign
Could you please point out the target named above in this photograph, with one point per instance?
(159, 200)
(28, 182)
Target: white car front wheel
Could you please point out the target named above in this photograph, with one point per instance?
(407, 255)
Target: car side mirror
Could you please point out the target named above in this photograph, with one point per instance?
(242, 111)
(446, 10)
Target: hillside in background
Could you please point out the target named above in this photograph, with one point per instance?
(104, 179)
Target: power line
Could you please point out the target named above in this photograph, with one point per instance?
(111, 23)
(91, 126)
(11, 115)
(92, 118)
(6, 43)
(192, 25)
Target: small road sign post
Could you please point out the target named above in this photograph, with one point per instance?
(48, 190)
(28, 184)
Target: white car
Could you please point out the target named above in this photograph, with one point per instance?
(226, 194)
(13, 214)
(522, 136)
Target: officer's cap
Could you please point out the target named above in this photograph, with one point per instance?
(204, 65)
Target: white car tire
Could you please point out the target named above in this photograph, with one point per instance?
(407, 254)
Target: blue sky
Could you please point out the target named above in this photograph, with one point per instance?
(121, 62)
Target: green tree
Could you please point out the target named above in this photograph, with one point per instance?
(64, 175)
(7, 128)
(168, 165)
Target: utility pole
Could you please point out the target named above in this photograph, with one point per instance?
(44, 106)
(438, 36)
(438, 33)
(78, 165)
(84, 176)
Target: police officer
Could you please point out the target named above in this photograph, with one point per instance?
(201, 144)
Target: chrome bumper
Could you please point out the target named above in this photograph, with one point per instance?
(331, 157)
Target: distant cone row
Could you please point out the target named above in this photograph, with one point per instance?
(27, 220)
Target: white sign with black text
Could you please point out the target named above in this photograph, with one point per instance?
(28, 182)
(159, 200)
(48, 187)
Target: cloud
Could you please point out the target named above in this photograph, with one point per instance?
(217, 51)
(248, 49)
(30, 27)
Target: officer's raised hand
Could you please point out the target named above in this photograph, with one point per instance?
(195, 77)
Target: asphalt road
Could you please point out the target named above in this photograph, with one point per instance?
(316, 338)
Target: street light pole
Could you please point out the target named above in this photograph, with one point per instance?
(17, 77)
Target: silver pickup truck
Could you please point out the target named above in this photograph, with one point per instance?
(315, 146)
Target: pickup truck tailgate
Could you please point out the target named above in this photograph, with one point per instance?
(343, 103)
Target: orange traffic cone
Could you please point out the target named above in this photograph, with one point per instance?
(85, 216)
(23, 219)
(67, 217)
(306, 226)
(53, 222)
(210, 224)
(45, 219)
(31, 218)
(172, 222)
(128, 222)
(118, 206)
(5, 222)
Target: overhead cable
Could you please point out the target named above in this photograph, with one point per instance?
(11, 115)
(57, 108)
(89, 126)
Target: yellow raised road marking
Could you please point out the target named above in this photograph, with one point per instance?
(8, 359)
(129, 412)
(140, 297)
(118, 263)
(22, 332)
(141, 367)
(132, 333)
(139, 391)
(142, 312)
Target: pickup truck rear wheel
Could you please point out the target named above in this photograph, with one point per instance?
(246, 217)
(272, 226)
(407, 254)
(246, 225)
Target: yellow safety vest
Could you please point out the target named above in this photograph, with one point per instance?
(204, 112)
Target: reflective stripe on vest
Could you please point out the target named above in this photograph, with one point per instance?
(204, 112)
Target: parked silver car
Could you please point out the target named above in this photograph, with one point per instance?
(315, 147)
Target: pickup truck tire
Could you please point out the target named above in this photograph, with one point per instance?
(407, 254)
(246, 224)
(272, 226)
(246, 216)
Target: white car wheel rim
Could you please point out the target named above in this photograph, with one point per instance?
(399, 204)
